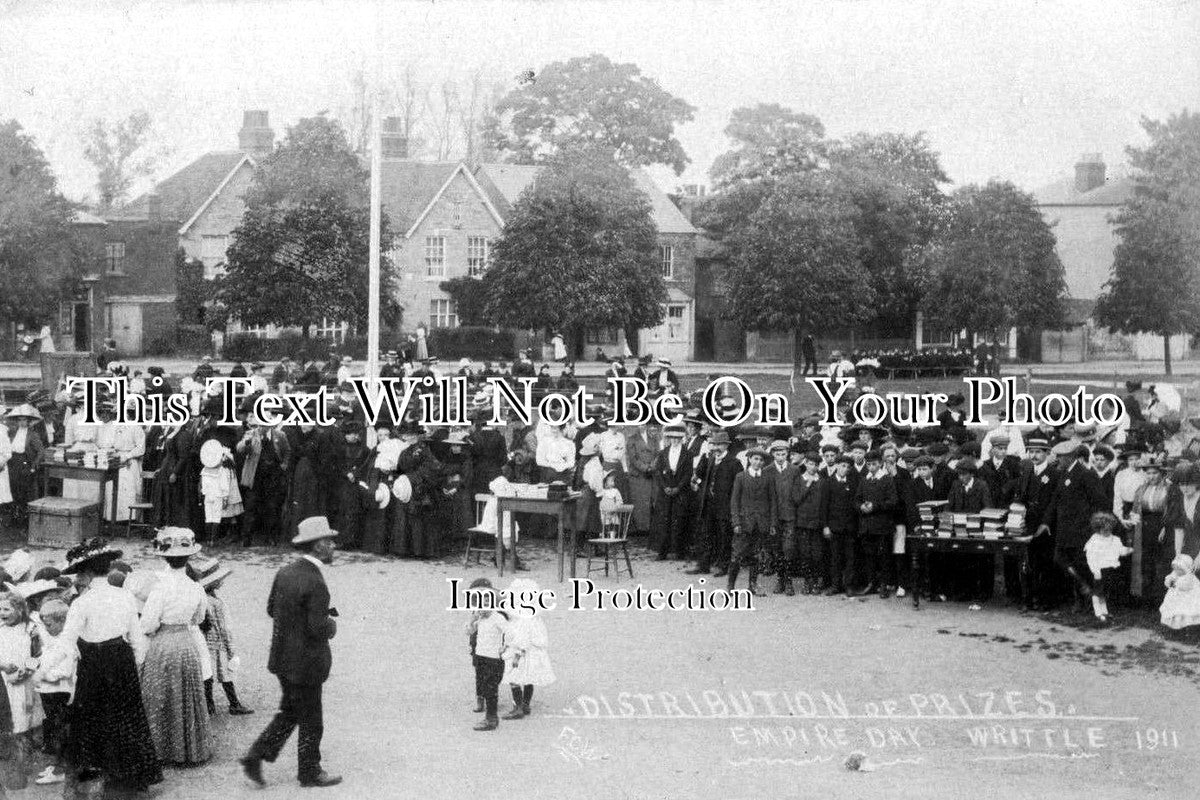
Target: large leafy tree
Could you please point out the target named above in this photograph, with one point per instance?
(895, 181)
(1155, 282)
(579, 252)
(592, 102)
(793, 258)
(118, 151)
(40, 260)
(302, 249)
(469, 297)
(992, 264)
(769, 141)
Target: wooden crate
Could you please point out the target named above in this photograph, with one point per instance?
(63, 521)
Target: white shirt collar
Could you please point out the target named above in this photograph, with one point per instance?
(314, 560)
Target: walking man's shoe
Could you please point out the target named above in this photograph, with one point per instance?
(253, 769)
(322, 780)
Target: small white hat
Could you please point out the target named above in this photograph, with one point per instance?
(313, 529)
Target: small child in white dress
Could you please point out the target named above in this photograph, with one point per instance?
(609, 501)
(527, 662)
(1104, 552)
(1181, 607)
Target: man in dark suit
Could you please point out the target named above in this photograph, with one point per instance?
(672, 475)
(1077, 495)
(1034, 488)
(1000, 471)
(713, 482)
(300, 656)
(839, 523)
(751, 509)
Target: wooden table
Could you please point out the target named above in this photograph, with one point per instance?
(919, 546)
(559, 509)
(101, 475)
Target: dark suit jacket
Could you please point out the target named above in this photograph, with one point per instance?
(838, 509)
(807, 499)
(299, 605)
(667, 478)
(1035, 492)
(752, 504)
(920, 492)
(1077, 496)
(716, 485)
(880, 491)
(1001, 482)
(970, 501)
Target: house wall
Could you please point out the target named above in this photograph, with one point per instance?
(1085, 244)
(671, 340)
(137, 306)
(222, 215)
(458, 214)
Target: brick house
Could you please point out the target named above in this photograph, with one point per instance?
(128, 291)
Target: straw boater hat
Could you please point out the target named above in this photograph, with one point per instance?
(172, 542)
(209, 571)
(24, 411)
(93, 552)
(313, 529)
(402, 489)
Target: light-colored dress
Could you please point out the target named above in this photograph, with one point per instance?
(16, 648)
(129, 443)
(526, 637)
(173, 673)
(1181, 606)
(5, 455)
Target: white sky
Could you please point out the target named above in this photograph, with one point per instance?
(1004, 89)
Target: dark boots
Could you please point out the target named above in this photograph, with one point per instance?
(235, 706)
(519, 709)
(208, 697)
(734, 569)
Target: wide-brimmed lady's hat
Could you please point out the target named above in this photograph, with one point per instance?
(93, 554)
(175, 542)
(18, 565)
(24, 411)
(31, 589)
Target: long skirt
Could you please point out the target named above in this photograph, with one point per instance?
(642, 497)
(107, 729)
(129, 489)
(22, 481)
(173, 693)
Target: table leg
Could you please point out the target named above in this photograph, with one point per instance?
(1025, 576)
(916, 577)
(504, 525)
(116, 482)
(574, 550)
(560, 547)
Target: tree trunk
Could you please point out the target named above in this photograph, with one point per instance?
(304, 331)
(797, 347)
(1167, 353)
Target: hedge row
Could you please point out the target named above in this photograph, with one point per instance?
(481, 344)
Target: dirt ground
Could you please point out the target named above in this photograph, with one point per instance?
(943, 702)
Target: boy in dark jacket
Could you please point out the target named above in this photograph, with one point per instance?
(839, 523)
(877, 501)
(808, 493)
(751, 507)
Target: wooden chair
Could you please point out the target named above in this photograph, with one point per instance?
(477, 530)
(137, 518)
(613, 544)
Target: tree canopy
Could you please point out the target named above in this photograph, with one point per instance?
(40, 260)
(118, 152)
(302, 249)
(578, 252)
(793, 263)
(992, 264)
(1155, 281)
(770, 141)
(594, 103)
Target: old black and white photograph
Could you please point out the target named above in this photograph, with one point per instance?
(645, 399)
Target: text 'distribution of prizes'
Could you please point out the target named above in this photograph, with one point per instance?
(789, 727)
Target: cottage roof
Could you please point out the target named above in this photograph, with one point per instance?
(509, 180)
(1115, 191)
(84, 218)
(408, 187)
(189, 191)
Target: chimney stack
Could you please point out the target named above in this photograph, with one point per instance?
(393, 143)
(256, 137)
(154, 207)
(1089, 172)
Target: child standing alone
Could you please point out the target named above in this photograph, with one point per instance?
(1104, 552)
(54, 683)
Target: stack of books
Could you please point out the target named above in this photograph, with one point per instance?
(945, 528)
(929, 511)
(1015, 525)
(993, 520)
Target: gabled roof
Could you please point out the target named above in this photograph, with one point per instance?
(409, 187)
(84, 218)
(509, 180)
(1115, 191)
(459, 168)
(189, 191)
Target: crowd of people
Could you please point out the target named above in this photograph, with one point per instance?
(108, 670)
(818, 508)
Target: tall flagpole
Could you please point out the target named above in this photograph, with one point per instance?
(376, 200)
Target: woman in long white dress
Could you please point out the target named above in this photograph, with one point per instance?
(5, 455)
(129, 443)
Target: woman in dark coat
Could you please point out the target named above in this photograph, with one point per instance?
(304, 497)
(411, 535)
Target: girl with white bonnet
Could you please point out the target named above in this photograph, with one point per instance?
(526, 648)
